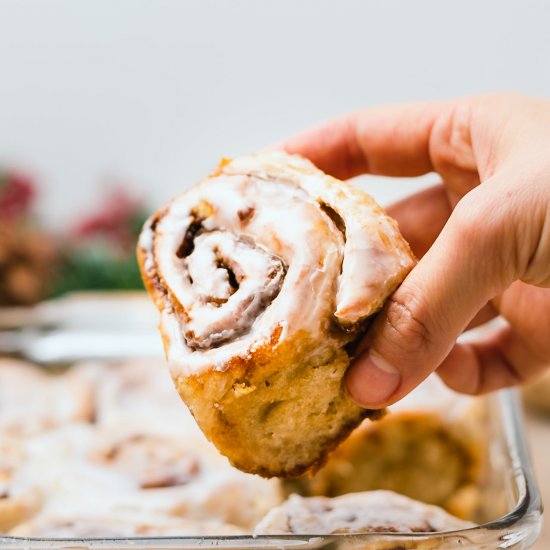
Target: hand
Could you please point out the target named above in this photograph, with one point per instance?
(482, 236)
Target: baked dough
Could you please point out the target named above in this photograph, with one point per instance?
(265, 275)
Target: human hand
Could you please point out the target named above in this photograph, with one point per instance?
(482, 236)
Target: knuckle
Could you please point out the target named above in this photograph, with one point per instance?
(403, 326)
(473, 212)
(486, 227)
(514, 376)
(485, 218)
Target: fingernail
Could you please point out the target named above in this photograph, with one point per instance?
(371, 381)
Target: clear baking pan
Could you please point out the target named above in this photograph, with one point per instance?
(512, 508)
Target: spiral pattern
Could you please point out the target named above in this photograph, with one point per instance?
(268, 241)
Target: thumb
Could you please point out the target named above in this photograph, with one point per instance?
(473, 259)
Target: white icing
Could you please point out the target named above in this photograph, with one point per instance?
(211, 306)
(329, 276)
(368, 263)
(356, 513)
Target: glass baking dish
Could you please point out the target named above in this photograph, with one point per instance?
(510, 515)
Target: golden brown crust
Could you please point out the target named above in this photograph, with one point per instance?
(16, 503)
(255, 397)
(15, 510)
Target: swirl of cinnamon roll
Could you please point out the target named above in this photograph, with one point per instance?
(265, 274)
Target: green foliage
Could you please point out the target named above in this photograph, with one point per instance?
(97, 268)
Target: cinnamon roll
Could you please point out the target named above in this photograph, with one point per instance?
(137, 390)
(430, 447)
(181, 476)
(32, 401)
(367, 512)
(265, 274)
(153, 461)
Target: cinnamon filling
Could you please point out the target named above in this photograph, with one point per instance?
(335, 218)
(231, 280)
(187, 246)
(153, 461)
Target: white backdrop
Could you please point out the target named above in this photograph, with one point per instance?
(153, 93)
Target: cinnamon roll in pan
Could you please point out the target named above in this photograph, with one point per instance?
(265, 274)
(428, 447)
(32, 401)
(181, 476)
(367, 512)
(139, 390)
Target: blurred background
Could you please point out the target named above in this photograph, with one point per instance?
(109, 108)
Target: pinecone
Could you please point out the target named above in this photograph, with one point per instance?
(27, 255)
(27, 263)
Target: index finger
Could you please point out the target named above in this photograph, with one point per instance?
(392, 140)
